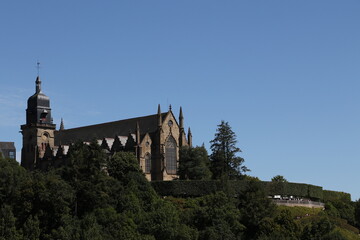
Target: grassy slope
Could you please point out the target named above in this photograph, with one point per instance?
(305, 215)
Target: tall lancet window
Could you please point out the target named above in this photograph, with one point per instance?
(170, 156)
(147, 163)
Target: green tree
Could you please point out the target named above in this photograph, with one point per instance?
(278, 178)
(254, 207)
(162, 222)
(85, 173)
(214, 216)
(44, 204)
(7, 224)
(224, 159)
(194, 163)
(343, 209)
(282, 226)
(11, 178)
(318, 229)
(90, 229)
(116, 225)
(121, 164)
(83, 162)
(31, 228)
(357, 212)
(331, 210)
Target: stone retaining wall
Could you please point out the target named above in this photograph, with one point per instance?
(299, 203)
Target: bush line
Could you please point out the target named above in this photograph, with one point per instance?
(197, 188)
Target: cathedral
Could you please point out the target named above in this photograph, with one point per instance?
(154, 139)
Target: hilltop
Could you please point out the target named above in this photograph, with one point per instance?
(84, 200)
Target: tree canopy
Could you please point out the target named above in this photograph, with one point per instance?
(107, 197)
(194, 163)
(279, 178)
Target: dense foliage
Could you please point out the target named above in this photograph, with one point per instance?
(101, 197)
(97, 197)
(194, 163)
(333, 196)
(93, 197)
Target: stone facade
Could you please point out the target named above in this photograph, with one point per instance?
(155, 139)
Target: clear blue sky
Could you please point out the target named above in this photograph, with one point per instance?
(284, 74)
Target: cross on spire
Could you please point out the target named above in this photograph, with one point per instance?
(38, 67)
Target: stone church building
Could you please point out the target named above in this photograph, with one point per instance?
(155, 139)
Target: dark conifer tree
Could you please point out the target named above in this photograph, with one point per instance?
(279, 178)
(224, 159)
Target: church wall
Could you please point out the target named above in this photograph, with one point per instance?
(145, 148)
(35, 139)
(42, 135)
(173, 131)
(46, 137)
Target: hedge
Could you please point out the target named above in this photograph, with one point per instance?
(315, 192)
(293, 189)
(333, 196)
(196, 188)
(286, 188)
(185, 188)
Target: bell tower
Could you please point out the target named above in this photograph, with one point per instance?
(38, 132)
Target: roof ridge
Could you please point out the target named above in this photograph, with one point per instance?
(112, 122)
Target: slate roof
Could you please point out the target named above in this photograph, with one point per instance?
(147, 124)
(7, 145)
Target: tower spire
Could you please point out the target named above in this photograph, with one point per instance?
(137, 133)
(159, 116)
(181, 119)
(38, 68)
(189, 137)
(38, 84)
(62, 125)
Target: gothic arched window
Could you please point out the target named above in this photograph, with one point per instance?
(170, 156)
(147, 163)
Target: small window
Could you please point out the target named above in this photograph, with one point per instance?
(170, 123)
(147, 163)
(12, 155)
